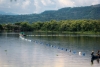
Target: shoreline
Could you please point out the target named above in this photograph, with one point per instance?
(56, 33)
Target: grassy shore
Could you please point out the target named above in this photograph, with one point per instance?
(67, 32)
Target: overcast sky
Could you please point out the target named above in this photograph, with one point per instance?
(38, 6)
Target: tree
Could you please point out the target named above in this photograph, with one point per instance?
(46, 26)
(37, 26)
(25, 26)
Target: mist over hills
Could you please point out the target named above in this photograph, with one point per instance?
(68, 13)
(6, 13)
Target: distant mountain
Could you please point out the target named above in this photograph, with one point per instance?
(97, 5)
(68, 13)
(6, 13)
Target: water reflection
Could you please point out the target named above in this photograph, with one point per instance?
(15, 52)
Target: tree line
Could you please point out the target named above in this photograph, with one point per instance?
(53, 25)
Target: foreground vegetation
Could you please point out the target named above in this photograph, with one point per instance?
(64, 25)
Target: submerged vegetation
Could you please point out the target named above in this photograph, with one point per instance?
(53, 25)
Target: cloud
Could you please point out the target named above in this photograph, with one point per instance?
(96, 2)
(47, 2)
(1, 1)
(25, 4)
(42, 5)
(38, 6)
(85, 2)
(64, 3)
(43, 2)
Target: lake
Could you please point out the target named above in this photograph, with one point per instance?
(63, 50)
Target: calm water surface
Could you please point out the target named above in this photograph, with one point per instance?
(48, 51)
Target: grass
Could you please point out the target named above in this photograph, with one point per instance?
(67, 32)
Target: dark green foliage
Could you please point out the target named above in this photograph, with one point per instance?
(53, 25)
(87, 12)
(25, 26)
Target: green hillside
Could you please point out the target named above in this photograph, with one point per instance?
(87, 12)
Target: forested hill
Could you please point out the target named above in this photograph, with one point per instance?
(87, 12)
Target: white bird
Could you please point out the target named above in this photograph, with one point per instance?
(79, 53)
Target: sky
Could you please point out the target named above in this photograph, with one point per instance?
(38, 6)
